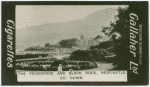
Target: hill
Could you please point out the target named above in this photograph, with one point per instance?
(90, 26)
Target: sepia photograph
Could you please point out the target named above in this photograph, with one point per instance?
(84, 38)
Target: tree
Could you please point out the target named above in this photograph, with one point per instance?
(68, 43)
(88, 55)
(119, 27)
(103, 45)
(121, 23)
(107, 30)
(47, 44)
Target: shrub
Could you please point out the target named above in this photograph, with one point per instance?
(89, 55)
(38, 65)
(54, 68)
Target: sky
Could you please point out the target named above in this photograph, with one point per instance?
(33, 15)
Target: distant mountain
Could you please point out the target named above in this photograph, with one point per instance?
(90, 26)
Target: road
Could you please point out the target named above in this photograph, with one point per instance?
(101, 66)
